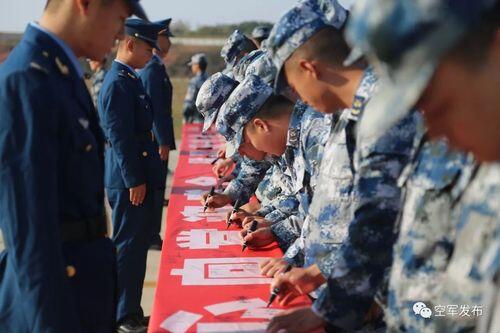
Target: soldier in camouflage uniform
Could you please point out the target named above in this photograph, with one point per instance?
(198, 66)
(236, 47)
(305, 137)
(260, 34)
(213, 93)
(348, 233)
(98, 73)
(449, 254)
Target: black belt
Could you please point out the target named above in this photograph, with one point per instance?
(141, 137)
(83, 230)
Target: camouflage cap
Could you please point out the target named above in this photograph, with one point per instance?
(212, 94)
(261, 32)
(264, 68)
(198, 58)
(296, 27)
(241, 67)
(234, 46)
(243, 104)
(404, 40)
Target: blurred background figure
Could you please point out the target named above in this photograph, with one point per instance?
(260, 34)
(99, 70)
(198, 66)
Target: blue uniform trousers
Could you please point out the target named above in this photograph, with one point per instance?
(132, 229)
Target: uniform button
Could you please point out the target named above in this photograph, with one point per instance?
(70, 271)
(145, 154)
(88, 148)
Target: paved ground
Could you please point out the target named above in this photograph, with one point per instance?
(153, 256)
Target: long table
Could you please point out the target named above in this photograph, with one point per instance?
(205, 282)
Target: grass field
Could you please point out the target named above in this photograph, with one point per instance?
(180, 86)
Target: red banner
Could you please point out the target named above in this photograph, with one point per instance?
(206, 283)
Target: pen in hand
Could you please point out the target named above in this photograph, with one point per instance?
(236, 207)
(253, 227)
(276, 290)
(210, 194)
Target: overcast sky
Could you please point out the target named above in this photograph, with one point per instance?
(15, 14)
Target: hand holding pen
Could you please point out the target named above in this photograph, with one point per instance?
(275, 292)
(210, 194)
(252, 228)
(236, 207)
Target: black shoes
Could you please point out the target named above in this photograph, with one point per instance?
(156, 244)
(132, 324)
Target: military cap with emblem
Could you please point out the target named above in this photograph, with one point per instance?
(165, 27)
(295, 28)
(243, 104)
(212, 95)
(143, 30)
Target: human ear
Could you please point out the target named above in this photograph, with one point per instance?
(260, 125)
(130, 45)
(83, 6)
(309, 68)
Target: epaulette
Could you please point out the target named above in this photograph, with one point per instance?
(358, 106)
(123, 73)
(41, 62)
(39, 67)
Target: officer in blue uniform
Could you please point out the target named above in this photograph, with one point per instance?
(58, 269)
(159, 88)
(134, 174)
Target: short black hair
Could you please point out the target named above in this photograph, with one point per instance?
(203, 66)
(327, 45)
(275, 107)
(474, 45)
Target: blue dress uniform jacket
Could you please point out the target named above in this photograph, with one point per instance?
(132, 159)
(125, 109)
(50, 175)
(159, 88)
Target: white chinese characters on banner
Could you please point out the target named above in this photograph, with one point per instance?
(221, 271)
(202, 181)
(197, 239)
(196, 214)
(255, 308)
